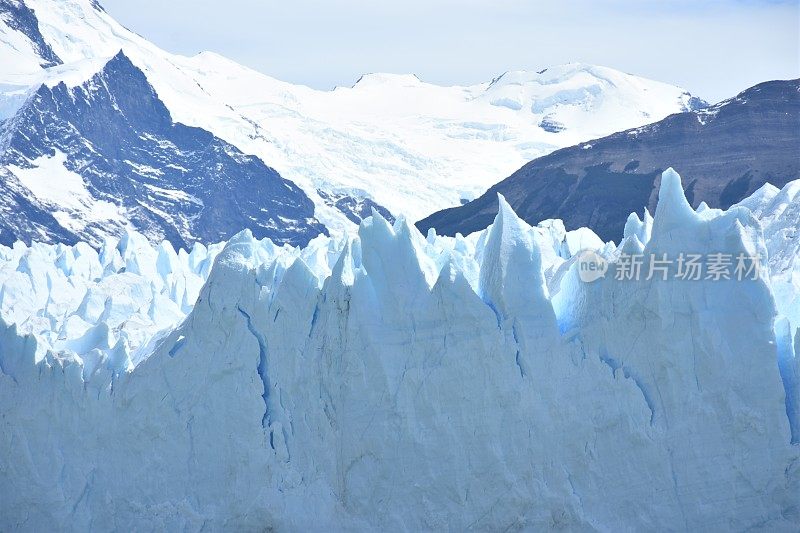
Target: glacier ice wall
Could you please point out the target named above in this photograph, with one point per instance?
(388, 380)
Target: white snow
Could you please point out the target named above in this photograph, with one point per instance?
(395, 382)
(17, 53)
(173, 194)
(52, 184)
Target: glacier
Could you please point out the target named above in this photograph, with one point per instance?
(390, 380)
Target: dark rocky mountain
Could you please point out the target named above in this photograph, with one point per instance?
(724, 153)
(166, 179)
(355, 208)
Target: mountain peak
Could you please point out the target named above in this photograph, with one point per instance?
(377, 79)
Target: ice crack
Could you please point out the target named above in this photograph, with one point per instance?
(262, 365)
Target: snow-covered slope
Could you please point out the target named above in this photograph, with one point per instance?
(399, 142)
(389, 381)
(24, 48)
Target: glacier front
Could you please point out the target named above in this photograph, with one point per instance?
(388, 380)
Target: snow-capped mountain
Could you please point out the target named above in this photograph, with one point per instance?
(730, 150)
(474, 380)
(391, 142)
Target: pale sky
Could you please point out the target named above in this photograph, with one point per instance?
(713, 48)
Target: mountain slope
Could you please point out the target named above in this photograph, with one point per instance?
(729, 150)
(393, 141)
(106, 154)
(18, 19)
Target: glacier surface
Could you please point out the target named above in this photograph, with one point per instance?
(393, 381)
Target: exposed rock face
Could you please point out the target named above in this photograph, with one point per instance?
(355, 208)
(127, 162)
(728, 151)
